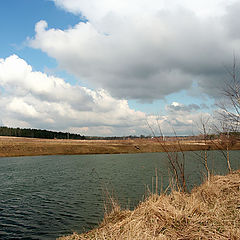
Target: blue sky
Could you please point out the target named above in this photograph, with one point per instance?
(106, 67)
(18, 19)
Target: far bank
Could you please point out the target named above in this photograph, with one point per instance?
(18, 146)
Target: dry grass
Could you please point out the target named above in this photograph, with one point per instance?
(210, 211)
(12, 146)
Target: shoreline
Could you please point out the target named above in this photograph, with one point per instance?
(209, 211)
(19, 146)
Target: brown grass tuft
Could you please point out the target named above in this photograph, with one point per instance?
(210, 211)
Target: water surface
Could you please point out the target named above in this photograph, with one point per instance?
(49, 196)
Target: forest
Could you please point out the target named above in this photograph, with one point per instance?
(37, 133)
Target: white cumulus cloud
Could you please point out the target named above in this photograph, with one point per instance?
(35, 99)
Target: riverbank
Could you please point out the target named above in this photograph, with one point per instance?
(18, 146)
(210, 211)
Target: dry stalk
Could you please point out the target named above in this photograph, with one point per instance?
(210, 211)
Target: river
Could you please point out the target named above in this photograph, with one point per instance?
(46, 197)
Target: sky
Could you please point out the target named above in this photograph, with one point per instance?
(112, 68)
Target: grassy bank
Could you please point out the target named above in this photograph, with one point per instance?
(16, 146)
(210, 211)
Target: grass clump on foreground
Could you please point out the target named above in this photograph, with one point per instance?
(210, 211)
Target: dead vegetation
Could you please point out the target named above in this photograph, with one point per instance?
(210, 211)
(17, 146)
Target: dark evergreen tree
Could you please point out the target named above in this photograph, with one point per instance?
(37, 133)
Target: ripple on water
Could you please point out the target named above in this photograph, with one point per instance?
(46, 197)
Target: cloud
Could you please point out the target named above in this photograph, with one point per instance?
(36, 100)
(180, 119)
(95, 10)
(20, 107)
(178, 107)
(31, 98)
(145, 50)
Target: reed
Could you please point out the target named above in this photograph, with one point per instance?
(210, 211)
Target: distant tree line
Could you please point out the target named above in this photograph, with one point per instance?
(37, 133)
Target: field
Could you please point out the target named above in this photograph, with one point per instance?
(16, 146)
